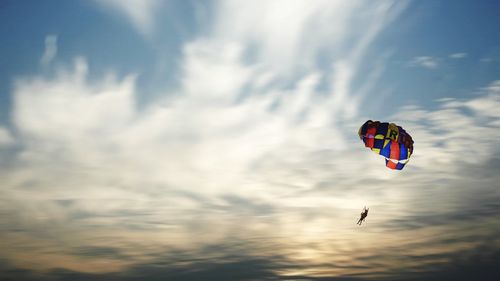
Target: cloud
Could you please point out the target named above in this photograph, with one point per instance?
(424, 61)
(281, 38)
(250, 151)
(430, 62)
(204, 161)
(493, 88)
(486, 60)
(457, 55)
(5, 137)
(50, 50)
(461, 121)
(140, 13)
(229, 145)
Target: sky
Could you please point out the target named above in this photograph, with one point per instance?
(218, 140)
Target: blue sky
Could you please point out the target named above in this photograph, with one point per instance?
(210, 136)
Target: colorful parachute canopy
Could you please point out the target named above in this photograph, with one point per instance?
(388, 140)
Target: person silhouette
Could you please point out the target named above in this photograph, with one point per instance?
(364, 214)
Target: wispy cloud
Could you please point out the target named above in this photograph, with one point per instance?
(140, 13)
(459, 120)
(5, 137)
(425, 61)
(50, 51)
(487, 60)
(432, 62)
(493, 88)
(457, 55)
(202, 162)
(245, 134)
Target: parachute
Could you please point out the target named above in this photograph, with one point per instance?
(388, 140)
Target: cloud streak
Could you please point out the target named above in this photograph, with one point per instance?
(457, 55)
(50, 51)
(5, 137)
(140, 13)
(425, 62)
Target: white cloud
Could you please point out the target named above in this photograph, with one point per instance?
(50, 51)
(493, 88)
(424, 61)
(445, 132)
(86, 144)
(5, 137)
(164, 168)
(140, 13)
(280, 32)
(486, 60)
(457, 55)
(247, 129)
